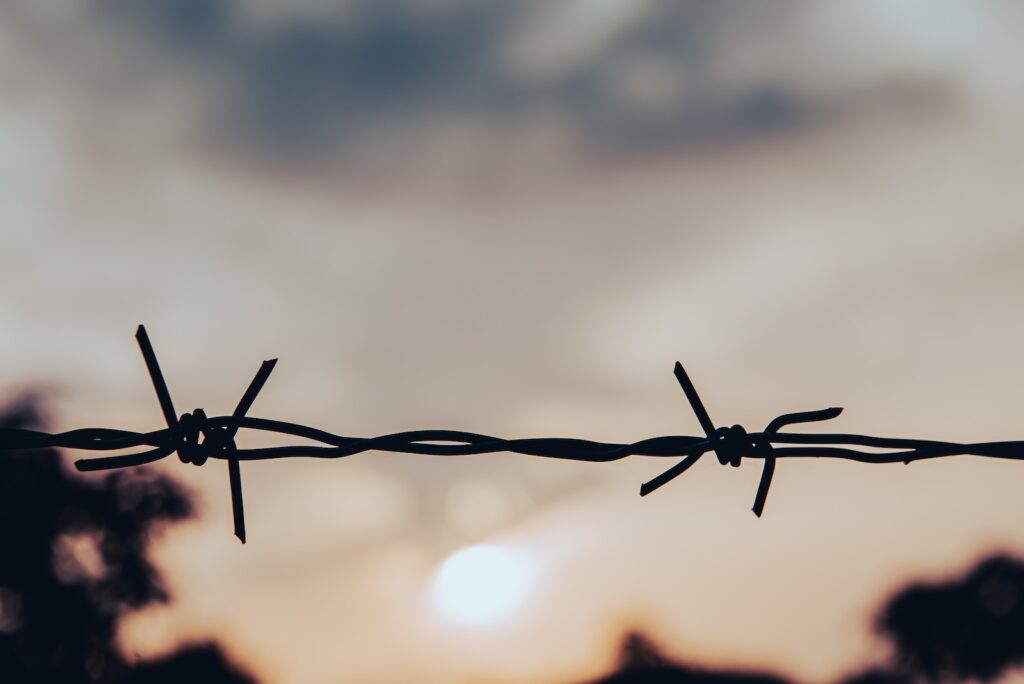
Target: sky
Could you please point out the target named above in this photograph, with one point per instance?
(513, 218)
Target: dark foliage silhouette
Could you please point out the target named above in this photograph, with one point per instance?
(879, 675)
(970, 628)
(967, 629)
(73, 561)
(640, 662)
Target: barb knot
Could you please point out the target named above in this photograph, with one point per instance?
(731, 444)
(215, 440)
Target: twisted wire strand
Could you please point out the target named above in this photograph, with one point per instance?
(195, 437)
(458, 443)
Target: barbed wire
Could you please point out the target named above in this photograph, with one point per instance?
(196, 438)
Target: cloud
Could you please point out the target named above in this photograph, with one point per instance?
(343, 81)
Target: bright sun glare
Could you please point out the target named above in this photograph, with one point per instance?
(482, 585)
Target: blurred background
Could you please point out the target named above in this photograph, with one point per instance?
(513, 218)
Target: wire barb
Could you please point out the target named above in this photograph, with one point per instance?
(234, 468)
(187, 429)
(196, 438)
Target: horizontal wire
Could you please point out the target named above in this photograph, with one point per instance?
(460, 443)
(197, 438)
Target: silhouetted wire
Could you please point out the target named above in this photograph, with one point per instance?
(196, 437)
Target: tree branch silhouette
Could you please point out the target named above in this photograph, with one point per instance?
(74, 561)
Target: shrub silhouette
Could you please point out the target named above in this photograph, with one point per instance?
(970, 628)
(73, 561)
(640, 662)
(878, 675)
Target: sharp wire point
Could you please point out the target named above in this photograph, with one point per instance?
(238, 512)
(762, 488)
(695, 403)
(163, 395)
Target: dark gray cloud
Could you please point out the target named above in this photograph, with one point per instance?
(321, 78)
(314, 83)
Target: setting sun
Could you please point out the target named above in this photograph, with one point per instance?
(482, 585)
